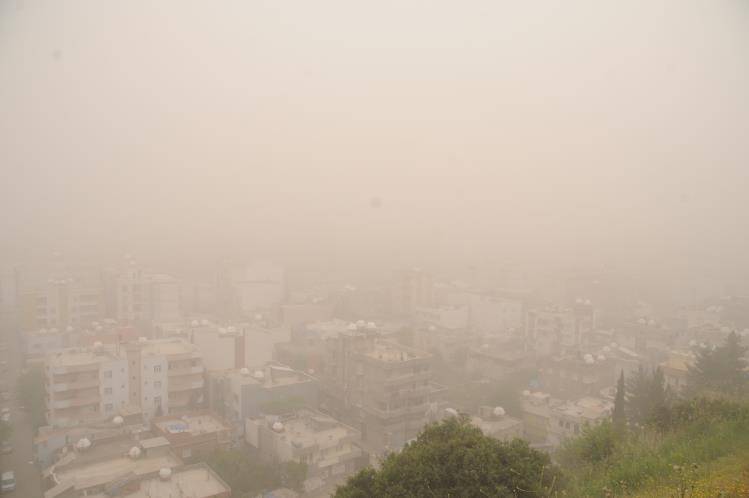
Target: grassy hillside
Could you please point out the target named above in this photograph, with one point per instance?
(700, 448)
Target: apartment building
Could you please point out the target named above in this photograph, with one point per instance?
(61, 302)
(412, 289)
(495, 314)
(193, 435)
(550, 421)
(141, 298)
(267, 389)
(380, 386)
(107, 468)
(84, 385)
(327, 446)
(555, 329)
(165, 376)
(494, 422)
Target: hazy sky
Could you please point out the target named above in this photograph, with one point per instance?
(575, 131)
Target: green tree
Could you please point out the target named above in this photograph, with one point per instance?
(249, 475)
(595, 445)
(454, 458)
(32, 394)
(646, 395)
(721, 370)
(619, 417)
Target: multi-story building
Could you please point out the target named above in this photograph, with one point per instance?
(327, 446)
(61, 302)
(245, 291)
(412, 289)
(498, 358)
(145, 299)
(495, 314)
(268, 389)
(165, 376)
(112, 466)
(549, 421)
(570, 418)
(558, 328)
(84, 385)
(495, 423)
(194, 434)
(383, 387)
(446, 317)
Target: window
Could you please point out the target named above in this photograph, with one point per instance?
(108, 407)
(157, 384)
(157, 401)
(107, 390)
(108, 374)
(156, 368)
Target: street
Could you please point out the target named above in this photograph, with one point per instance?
(28, 477)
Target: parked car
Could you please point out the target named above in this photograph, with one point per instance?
(5, 417)
(6, 447)
(8, 482)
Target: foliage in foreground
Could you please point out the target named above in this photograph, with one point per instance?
(455, 459)
(671, 456)
(248, 475)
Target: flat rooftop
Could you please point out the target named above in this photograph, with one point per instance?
(195, 481)
(308, 428)
(105, 471)
(167, 347)
(76, 357)
(393, 353)
(193, 424)
(586, 407)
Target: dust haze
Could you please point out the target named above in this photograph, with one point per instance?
(369, 135)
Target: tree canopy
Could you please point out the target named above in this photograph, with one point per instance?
(455, 459)
(721, 370)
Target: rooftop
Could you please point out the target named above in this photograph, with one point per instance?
(308, 428)
(193, 424)
(74, 357)
(392, 353)
(194, 481)
(587, 407)
(167, 347)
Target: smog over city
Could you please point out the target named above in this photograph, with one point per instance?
(347, 249)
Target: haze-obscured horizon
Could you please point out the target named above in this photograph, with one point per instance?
(374, 134)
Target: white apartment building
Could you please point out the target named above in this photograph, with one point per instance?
(327, 446)
(84, 385)
(495, 315)
(166, 376)
(62, 302)
(144, 298)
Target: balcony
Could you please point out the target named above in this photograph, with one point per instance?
(178, 385)
(75, 402)
(174, 372)
(408, 378)
(75, 385)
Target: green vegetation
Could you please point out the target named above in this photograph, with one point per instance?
(670, 455)
(248, 475)
(31, 393)
(721, 370)
(454, 459)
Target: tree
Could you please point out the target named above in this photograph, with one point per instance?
(619, 417)
(647, 395)
(454, 458)
(720, 370)
(248, 475)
